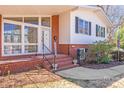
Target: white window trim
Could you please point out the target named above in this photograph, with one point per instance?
(39, 27)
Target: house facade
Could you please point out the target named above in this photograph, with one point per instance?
(24, 29)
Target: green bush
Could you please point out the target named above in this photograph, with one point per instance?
(105, 59)
(102, 50)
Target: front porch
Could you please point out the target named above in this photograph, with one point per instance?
(28, 35)
(23, 32)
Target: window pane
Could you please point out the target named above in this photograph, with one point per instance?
(103, 32)
(100, 31)
(30, 48)
(7, 49)
(31, 20)
(45, 21)
(12, 49)
(81, 27)
(19, 19)
(16, 49)
(86, 28)
(30, 34)
(12, 33)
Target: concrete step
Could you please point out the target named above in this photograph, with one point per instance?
(67, 67)
(69, 62)
(60, 64)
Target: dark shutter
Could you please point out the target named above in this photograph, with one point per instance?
(104, 31)
(96, 30)
(76, 25)
(89, 28)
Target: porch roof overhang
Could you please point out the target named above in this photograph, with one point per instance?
(34, 9)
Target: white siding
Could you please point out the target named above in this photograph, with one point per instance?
(81, 38)
(64, 28)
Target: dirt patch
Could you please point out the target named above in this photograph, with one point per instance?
(57, 84)
(35, 79)
(102, 66)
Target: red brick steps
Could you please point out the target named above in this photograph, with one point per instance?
(25, 64)
(63, 61)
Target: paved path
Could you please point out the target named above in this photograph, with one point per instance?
(91, 74)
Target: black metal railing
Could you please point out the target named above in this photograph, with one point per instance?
(44, 47)
(52, 63)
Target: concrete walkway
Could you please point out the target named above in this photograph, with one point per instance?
(91, 74)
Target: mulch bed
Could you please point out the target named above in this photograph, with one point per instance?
(102, 66)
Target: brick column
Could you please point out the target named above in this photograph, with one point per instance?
(0, 36)
(55, 30)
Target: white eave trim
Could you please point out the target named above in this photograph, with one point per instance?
(106, 17)
(96, 9)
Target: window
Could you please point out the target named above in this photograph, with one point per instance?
(30, 34)
(100, 31)
(18, 19)
(31, 20)
(12, 49)
(12, 36)
(12, 33)
(30, 39)
(82, 26)
(86, 28)
(20, 34)
(45, 21)
(30, 48)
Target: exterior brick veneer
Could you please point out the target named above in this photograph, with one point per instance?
(71, 49)
(19, 66)
(0, 35)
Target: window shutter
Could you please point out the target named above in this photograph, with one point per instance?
(89, 28)
(104, 31)
(76, 24)
(96, 30)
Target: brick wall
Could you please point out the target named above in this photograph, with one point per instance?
(71, 49)
(0, 35)
(19, 66)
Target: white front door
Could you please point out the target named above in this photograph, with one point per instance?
(46, 40)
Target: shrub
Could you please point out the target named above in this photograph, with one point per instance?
(115, 55)
(100, 52)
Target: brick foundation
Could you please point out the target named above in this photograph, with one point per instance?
(71, 49)
(19, 66)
